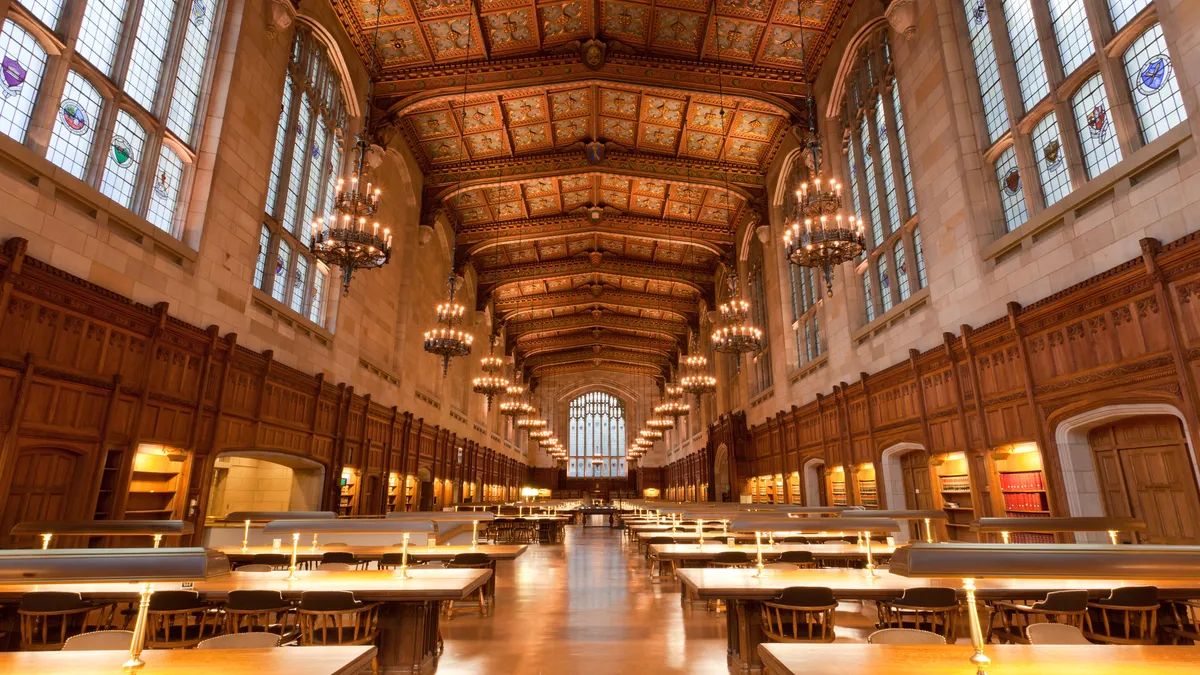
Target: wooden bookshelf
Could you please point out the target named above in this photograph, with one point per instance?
(778, 491)
(868, 491)
(349, 493)
(393, 494)
(154, 485)
(837, 483)
(954, 486)
(1023, 490)
(410, 493)
(796, 496)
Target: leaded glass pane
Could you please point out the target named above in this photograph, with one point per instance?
(164, 198)
(597, 441)
(149, 51)
(872, 190)
(885, 159)
(335, 165)
(808, 348)
(23, 63)
(1123, 11)
(283, 262)
(316, 311)
(186, 94)
(1051, 160)
(1012, 196)
(985, 67)
(1031, 71)
(1153, 83)
(885, 283)
(870, 305)
(300, 284)
(793, 279)
(908, 181)
(921, 280)
(316, 155)
(260, 264)
(124, 160)
(100, 33)
(816, 341)
(46, 11)
(75, 126)
(1096, 132)
(291, 204)
(902, 286)
(281, 129)
(1071, 32)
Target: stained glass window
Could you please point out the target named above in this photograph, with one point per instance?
(870, 306)
(816, 341)
(281, 129)
(260, 264)
(46, 11)
(597, 436)
(908, 181)
(22, 62)
(300, 284)
(852, 169)
(1093, 118)
(335, 165)
(164, 194)
(316, 311)
(1071, 32)
(985, 67)
(1051, 160)
(922, 282)
(808, 346)
(149, 52)
(124, 159)
(101, 33)
(758, 314)
(1123, 11)
(75, 125)
(1012, 196)
(885, 283)
(902, 286)
(291, 205)
(1031, 72)
(186, 94)
(794, 279)
(872, 191)
(316, 158)
(283, 262)
(1153, 83)
(885, 161)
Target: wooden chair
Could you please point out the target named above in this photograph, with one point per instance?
(241, 641)
(1128, 616)
(255, 611)
(1055, 634)
(1187, 621)
(1067, 607)
(931, 609)
(800, 614)
(660, 568)
(49, 618)
(470, 561)
(343, 557)
(99, 640)
(800, 559)
(255, 568)
(730, 559)
(279, 561)
(329, 618)
(180, 619)
(904, 636)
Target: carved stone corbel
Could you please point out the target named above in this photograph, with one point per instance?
(280, 15)
(902, 15)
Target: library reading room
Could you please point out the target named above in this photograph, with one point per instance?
(599, 337)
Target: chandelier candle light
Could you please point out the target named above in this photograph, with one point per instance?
(492, 383)
(345, 239)
(737, 335)
(447, 341)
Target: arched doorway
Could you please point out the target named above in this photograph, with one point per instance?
(721, 482)
(256, 480)
(814, 483)
(906, 481)
(1132, 460)
(41, 489)
(424, 490)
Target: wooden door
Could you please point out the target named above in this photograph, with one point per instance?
(43, 483)
(822, 487)
(918, 489)
(1145, 471)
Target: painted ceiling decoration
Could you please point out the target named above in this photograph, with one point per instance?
(596, 159)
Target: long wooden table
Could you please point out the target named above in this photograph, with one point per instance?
(408, 620)
(844, 659)
(283, 661)
(696, 553)
(743, 594)
(549, 528)
(441, 553)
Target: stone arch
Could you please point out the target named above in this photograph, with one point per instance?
(1077, 464)
(721, 474)
(833, 109)
(812, 486)
(353, 107)
(893, 479)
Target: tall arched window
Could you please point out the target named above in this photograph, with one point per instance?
(597, 439)
(304, 166)
(127, 119)
(806, 283)
(1076, 131)
(877, 169)
(756, 292)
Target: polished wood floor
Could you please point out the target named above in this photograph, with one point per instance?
(588, 607)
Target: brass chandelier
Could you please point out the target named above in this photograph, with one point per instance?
(446, 340)
(736, 335)
(493, 382)
(673, 405)
(697, 381)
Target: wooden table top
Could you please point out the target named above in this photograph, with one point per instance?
(370, 585)
(306, 553)
(685, 535)
(709, 550)
(741, 584)
(839, 659)
(513, 516)
(283, 660)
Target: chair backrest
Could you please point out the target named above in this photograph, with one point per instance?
(779, 566)
(394, 559)
(255, 568)
(731, 557)
(929, 597)
(176, 601)
(333, 566)
(1063, 602)
(255, 601)
(904, 636)
(469, 560)
(1142, 597)
(99, 640)
(275, 559)
(51, 601)
(339, 557)
(255, 640)
(328, 601)
(1054, 634)
(807, 596)
(798, 557)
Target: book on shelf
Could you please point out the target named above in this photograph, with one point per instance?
(1022, 480)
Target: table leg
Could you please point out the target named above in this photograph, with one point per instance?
(745, 634)
(408, 637)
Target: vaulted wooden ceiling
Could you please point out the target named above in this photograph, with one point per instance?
(600, 262)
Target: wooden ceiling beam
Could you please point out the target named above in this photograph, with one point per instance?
(605, 320)
(699, 278)
(508, 307)
(474, 239)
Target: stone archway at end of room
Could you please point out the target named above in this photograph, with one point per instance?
(893, 479)
(812, 482)
(722, 481)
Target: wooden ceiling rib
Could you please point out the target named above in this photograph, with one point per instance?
(593, 263)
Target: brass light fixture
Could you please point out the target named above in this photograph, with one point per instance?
(492, 383)
(446, 340)
(697, 381)
(736, 335)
